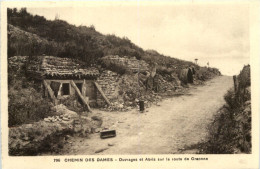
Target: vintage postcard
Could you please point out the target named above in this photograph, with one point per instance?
(115, 84)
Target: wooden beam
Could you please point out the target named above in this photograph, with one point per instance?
(59, 92)
(51, 93)
(80, 95)
(102, 93)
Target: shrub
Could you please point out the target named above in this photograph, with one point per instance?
(230, 98)
(26, 105)
(230, 132)
(25, 102)
(244, 77)
(114, 67)
(164, 71)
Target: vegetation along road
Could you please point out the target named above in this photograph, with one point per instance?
(162, 129)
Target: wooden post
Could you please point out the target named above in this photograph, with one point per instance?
(59, 92)
(51, 93)
(84, 88)
(80, 95)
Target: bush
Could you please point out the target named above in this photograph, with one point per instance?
(164, 71)
(230, 131)
(244, 77)
(25, 102)
(230, 98)
(26, 105)
(114, 67)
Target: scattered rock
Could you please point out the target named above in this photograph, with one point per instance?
(26, 138)
(97, 130)
(46, 119)
(97, 118)
(110, 144)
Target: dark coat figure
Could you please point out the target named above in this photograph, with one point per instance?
(186, 76)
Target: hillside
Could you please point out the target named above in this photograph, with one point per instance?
(32, 36)
(59, 38)
(81, 42)
(126, 74)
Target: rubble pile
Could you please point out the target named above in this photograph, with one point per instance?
(117, 107)
(130, 88)
(50, 133)
(57, 118)
(204, 73)
(168, 83)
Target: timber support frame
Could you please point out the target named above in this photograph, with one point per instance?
(80, 95)
(51, 93)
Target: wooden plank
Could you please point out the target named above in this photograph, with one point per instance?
(51, 93)
(59, 92)
(80, 95)
(102, 93)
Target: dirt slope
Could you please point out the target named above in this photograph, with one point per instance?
(162, 129)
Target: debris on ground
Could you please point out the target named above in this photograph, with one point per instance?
(110, 144)
(50, 133)
(107, 133)
(101, 150)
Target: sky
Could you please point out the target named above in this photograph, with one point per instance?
(218, 34)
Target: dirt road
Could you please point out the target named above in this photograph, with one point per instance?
(173, 124)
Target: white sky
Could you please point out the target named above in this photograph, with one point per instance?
(215, 33)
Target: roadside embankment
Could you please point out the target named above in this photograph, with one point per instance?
(230, 132)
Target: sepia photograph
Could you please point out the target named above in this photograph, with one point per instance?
(129, 79)
(90, 86)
